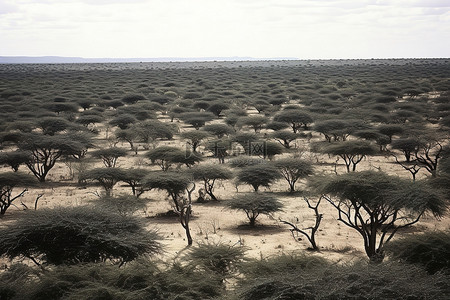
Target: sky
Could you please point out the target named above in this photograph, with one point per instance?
(303, 29)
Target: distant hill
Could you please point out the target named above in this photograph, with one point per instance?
(74, 60)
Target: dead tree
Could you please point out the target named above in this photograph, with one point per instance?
(311, 236)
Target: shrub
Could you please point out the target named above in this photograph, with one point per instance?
(142, 279)
(430, 250)
(219, 258)
(130, 99)
(124, 205)
(319, 280)
(75, 235)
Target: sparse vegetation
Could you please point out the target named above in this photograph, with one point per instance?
(224, 130)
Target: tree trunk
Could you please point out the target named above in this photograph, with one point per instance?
(213, 197)
(292, 187)
(188, 235)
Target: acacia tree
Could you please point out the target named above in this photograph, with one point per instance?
(217, 107)
(293, 169)
(297, 118)
(352, 152)
(270, 149)
(196, 119)
(109, 156)
(209, 174)
(166, 156)
(218, 130)
(8, 181)
(222, 259)
(128, 135)
(123, 121)
(107, 177)
(255, 204)
(261, 105)
(409, 147)
(258, 175)
(149, 131)
(14, 159)
(285, 137)
(390, 130)
(338, 129)
(256, 122)
(175, 184)
(45, 150)
(89, 121)
(429, 154)
(194, 138)
(219, 149)
(59, 107)
(134, 178)
(412, 167)
(53, 125)
(245, 139)
(377, 205)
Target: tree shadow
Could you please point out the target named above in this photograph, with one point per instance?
(258, 229)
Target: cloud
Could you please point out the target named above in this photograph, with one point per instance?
(261, 28)
(8, 8)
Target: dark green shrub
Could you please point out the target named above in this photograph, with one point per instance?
(125, 205)
(219, 258)
(430, 250)
(142, 279)
(320, 280)
(75, 235)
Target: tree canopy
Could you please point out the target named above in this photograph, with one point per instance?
(258, 175)
(297, 118)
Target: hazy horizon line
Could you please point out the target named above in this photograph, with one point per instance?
(79, 59)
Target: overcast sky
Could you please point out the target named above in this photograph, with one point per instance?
(304, 29)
